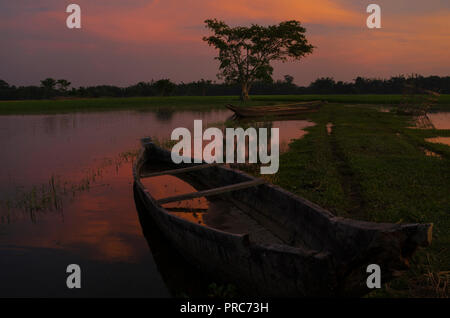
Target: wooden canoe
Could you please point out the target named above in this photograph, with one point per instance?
(276, 110)
(282, 245)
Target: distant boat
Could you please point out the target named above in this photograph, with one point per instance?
(276, 110)
(277, 244)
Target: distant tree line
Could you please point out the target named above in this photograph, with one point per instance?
(53, 89)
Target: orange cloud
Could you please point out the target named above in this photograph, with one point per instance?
(172, 20)
(319, 11)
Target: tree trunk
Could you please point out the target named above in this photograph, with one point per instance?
(244, 92)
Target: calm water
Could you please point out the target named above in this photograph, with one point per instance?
(66, 197)
(440, 120)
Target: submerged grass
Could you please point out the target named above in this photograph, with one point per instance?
(372, 167)
(199, 103)
(37, 200)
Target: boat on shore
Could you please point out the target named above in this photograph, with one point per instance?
(276, 110)
(275, 243)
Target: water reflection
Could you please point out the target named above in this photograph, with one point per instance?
(440, 120)
(167, 186)
(329, 128)
(34, 154)
(215, 213)
(291, 129)
(430, 153)
(439, 140)
(164, 115)
(95, 223)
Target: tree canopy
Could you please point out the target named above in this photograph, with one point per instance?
(48, 83)
(245, 53)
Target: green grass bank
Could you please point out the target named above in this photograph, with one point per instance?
(183, 102)
(373, 167)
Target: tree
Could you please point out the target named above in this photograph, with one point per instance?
(165, 87)
(203, 85)
(323, 85)
(48, 83)
(63, 85)
(289, 79)
(3, 84)
(245, 53)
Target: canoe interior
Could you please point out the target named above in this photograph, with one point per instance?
(216, 211)
(292, 220)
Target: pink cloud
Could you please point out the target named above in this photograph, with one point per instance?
(164, 37)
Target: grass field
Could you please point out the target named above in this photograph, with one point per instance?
(373, 167)
(184, 102)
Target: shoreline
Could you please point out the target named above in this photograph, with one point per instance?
(197, 103)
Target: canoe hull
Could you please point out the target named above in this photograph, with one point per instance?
(254, 269)
(278, 110)
(278, 271)
(334, 266)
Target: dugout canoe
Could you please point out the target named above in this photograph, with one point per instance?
(279, 244)
(276, 110)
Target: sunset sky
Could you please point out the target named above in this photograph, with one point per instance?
(123, 42)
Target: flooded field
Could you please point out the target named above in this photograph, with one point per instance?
(440, 140)
(66, 197)
(440, 120)
(437, 120)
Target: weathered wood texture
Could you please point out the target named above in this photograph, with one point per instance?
(210, 192)
(178, 171)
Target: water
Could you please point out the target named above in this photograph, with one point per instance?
(440, 120)
(66, 198)
(440, 140)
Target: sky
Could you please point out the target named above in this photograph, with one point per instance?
(123, 42)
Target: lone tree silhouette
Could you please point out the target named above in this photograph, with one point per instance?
(245, 53)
